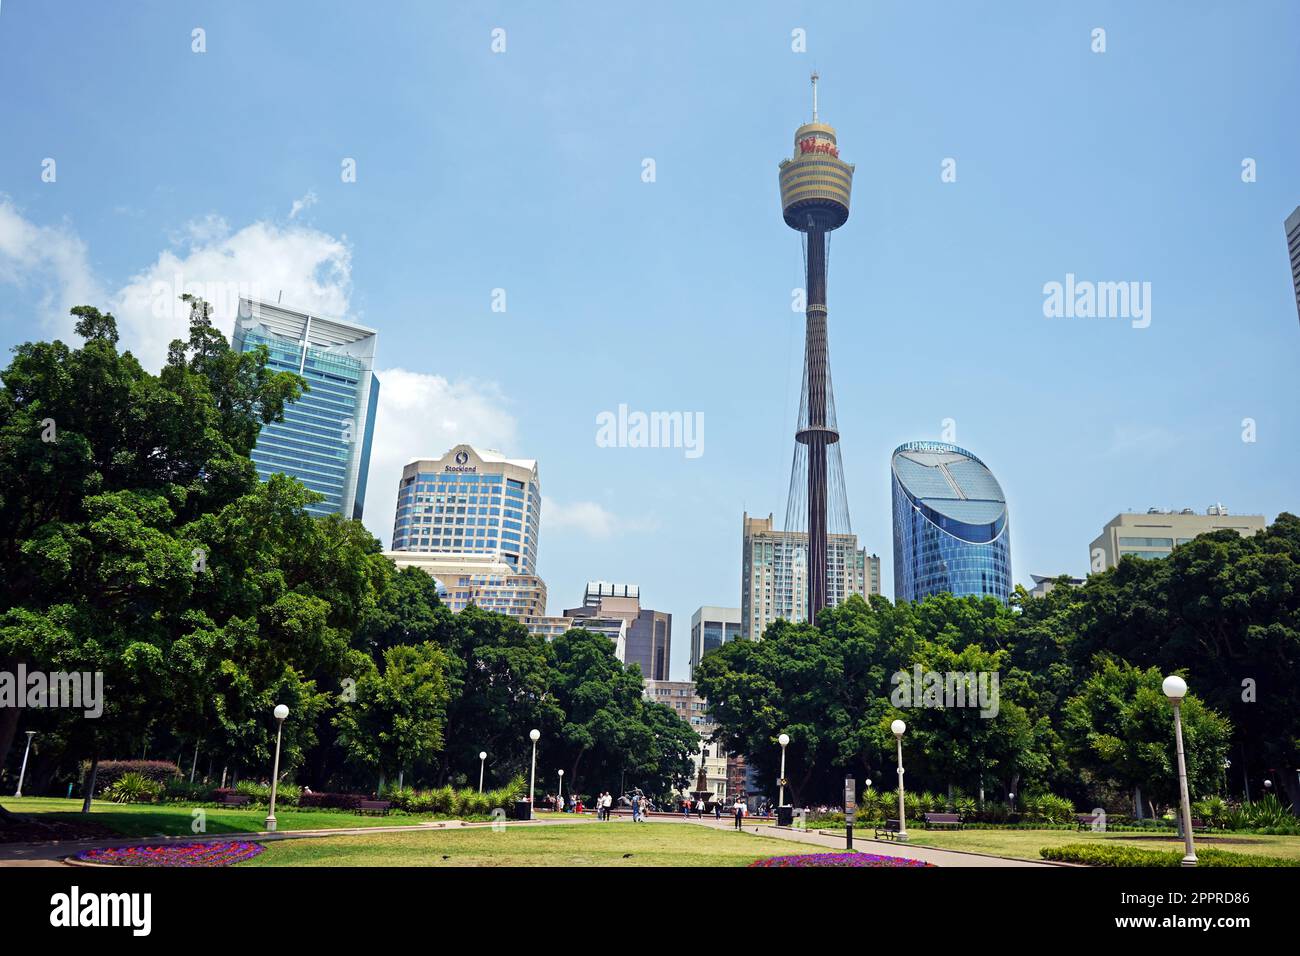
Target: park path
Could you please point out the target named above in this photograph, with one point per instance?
(835, 841)
(54, 853)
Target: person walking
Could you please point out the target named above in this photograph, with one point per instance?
(699, 808)
(608, 803)
(636, 808)
(717, 811)
(739, 809)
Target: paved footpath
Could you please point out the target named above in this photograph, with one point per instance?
(56, 852)
(832, 841)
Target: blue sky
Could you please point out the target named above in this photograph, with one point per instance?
(522, 171)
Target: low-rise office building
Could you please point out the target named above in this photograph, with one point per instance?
(1155, 533)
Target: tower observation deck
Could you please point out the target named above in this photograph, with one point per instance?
(815, 189)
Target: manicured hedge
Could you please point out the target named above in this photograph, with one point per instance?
(110, 771)
(332, 801)
(1110, 854)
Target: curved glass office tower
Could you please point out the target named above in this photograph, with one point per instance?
(950, 524)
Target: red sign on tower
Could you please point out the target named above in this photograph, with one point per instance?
(811, 145)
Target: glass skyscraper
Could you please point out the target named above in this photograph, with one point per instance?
(950, 524)
(471, 502)
(325, 438)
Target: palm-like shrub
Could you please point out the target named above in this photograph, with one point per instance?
(1049, 808)
(132, 787)
(400, 797)
(1268, 812)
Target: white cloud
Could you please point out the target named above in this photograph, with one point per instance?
(589, 518)
(312, 269)
(419, 414)
(306, 202)
(49, 264)
(425, 415)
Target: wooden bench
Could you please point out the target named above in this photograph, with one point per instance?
(1199, 826)
(1086, 820)
(889, 828)
(943, 820)
(374, 806)
(234, 799)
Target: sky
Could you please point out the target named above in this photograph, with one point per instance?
(500, 154)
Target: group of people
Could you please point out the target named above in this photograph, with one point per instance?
(604, 803)
(641, 806)
(699, 806)
(572, 803)
(569, 803)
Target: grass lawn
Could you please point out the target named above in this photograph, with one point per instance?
(579, 844)
(1025, 844)
(144, 820)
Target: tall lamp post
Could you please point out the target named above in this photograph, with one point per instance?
(559, 800)
(899, 728)
(23, 772)
(1175, 689)
(482, 757)
(533, 735)
(281, 712)
(784, 741)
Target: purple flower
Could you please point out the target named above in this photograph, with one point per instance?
(839, 859)
(223, 853)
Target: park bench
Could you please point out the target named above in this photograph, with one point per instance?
(1086, 820)
(374, 806)
(234, 799)
(943, 820)
(889, 828)
(1199, 826)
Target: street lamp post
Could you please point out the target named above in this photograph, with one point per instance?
(784, 741)
(23, 772)
(533, 735)
(482, 757)
(559, 800)
(1175, 688)
(281, 712)
(899, 728)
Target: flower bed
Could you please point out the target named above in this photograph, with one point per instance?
(839, 859)
(223, 853)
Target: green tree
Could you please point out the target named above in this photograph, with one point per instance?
(500, 684)
(1120, 726)
(102, 468)
(396, 722)
(603, 730)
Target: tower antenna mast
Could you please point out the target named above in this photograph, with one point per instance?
(815, 78)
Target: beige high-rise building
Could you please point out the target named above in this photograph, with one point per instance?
(479, 579)
(774, 574)
(647, 639)
(1156, 533)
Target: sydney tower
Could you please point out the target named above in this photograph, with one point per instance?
(815, 186)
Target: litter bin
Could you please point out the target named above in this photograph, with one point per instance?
(523, 810)
(785, 816)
